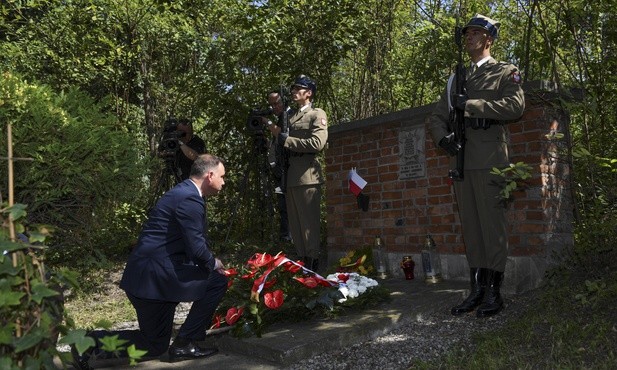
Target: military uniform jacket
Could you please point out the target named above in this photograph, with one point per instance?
(308, 133)
(494, 92)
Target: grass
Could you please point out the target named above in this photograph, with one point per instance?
(572, 325)
(103, 301)
(86, 312)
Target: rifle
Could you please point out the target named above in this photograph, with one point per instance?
(283, 154)
(457, 115)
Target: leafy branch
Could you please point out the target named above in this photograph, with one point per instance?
(514, 176)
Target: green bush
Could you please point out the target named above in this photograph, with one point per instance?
(84, 172)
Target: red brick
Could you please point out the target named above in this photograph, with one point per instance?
(534, 215)
(439, 190)
(529, 228)
(374, 151)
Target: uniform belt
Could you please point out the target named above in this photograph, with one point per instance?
(298, 154)
(479, 123)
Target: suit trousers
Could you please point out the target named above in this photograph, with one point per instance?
(483, 218)
(304, 213)
(156, 319)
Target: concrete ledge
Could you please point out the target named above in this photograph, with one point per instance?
(288, 343)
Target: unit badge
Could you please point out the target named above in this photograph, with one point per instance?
(516, 77)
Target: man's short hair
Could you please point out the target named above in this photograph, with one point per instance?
(185, 122)
(204, 164)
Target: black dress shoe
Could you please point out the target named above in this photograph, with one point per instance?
(189, 350)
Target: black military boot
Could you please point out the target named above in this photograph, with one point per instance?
(492, 302)
(478, 286)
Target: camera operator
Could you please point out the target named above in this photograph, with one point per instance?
(308, 133)
(278, 160)
(191, 146)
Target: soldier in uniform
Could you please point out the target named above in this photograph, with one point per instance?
(308, 133)
(493, 97)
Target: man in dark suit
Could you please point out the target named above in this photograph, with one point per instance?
(170, 264)
(493, 98)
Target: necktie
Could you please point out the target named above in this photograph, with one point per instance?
(473, 68)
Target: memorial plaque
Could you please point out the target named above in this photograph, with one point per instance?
(412, 159)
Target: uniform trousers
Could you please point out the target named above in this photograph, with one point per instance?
(483, 218)
(303, 211)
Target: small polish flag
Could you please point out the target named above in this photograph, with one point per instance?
(356, 183)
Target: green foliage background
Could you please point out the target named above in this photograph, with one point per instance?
(87, 85)
(105, 75)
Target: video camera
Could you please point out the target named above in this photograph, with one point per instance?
(169, 143)
(254, 124)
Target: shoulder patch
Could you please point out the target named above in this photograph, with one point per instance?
(516, 77)
(323, 122)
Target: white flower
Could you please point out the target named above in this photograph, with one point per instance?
(355, 285)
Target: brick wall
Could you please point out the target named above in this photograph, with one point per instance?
(404, 206)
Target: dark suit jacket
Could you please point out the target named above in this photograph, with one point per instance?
(171, 261)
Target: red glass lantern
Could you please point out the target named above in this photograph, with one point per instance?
(408, 265)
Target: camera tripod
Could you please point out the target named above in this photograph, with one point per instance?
(168, 179)
(257, 189)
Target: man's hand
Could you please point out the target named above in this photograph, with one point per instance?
(218, 266)
(274, 129)
(449, 145)
(460, 100)
(188, 152)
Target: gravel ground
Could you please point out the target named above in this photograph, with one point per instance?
(426, 339)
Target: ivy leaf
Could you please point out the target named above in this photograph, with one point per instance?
(112, 343)
(41, 291)
(9, 246)
(17, 211)
(28, 341)
(8, 299)
(79, 339)
(135, 354)
(6, 267)
(36, 236)
(6, 334)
